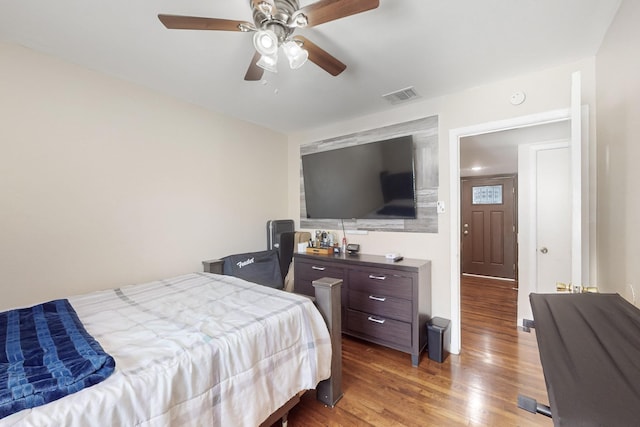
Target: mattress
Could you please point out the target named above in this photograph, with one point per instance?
(198, 349)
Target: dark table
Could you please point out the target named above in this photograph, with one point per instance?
(590, 352)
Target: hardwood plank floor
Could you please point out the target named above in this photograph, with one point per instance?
(479, 387)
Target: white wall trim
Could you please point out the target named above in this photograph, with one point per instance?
(576, 179)
(454, 197)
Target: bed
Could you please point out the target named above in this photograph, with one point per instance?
(198, 349)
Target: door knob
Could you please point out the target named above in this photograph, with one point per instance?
(465, 232)
(544, 250)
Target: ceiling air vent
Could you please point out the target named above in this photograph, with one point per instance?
(402, 95)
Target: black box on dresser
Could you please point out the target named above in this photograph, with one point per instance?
(385, 302)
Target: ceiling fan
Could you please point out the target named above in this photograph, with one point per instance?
(274, 22)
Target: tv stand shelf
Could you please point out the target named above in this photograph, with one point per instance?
(384, 302)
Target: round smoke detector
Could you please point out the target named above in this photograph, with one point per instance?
(518, 98)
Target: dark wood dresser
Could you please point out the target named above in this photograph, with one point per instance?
(384, 302)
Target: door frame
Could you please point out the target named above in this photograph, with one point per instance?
(455, 136)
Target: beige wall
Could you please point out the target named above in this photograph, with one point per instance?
(618, 96)
(546, 90)
(104, 183)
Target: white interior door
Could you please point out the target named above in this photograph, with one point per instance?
(553, 218)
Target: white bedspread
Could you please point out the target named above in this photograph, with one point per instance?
(195, 350)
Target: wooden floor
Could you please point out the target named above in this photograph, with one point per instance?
(479, 387)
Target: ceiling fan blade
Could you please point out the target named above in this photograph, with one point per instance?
(254, 73)
(321, 57)
(329, 10)
(177, 22)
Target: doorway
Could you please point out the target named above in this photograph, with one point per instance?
(464, 138)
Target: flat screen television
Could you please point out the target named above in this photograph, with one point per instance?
(375, 180)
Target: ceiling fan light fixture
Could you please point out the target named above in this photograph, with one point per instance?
(268, 62)
(274, 23)
(265, 42)
(296, 55)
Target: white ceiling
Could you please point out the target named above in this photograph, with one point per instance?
(436, 46)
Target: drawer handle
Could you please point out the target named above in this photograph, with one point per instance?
(318, 268)
(373, 276)
(373, 319)
(381, 299)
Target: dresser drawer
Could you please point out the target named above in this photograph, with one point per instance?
(379, 329)
(317, 270)
(381, 305)
(380, 282)
(306, 272)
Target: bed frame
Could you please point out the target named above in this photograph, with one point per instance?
(328, 302)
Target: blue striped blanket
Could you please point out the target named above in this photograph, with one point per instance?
(46, 354)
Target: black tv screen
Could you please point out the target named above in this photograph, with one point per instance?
(365, 181)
